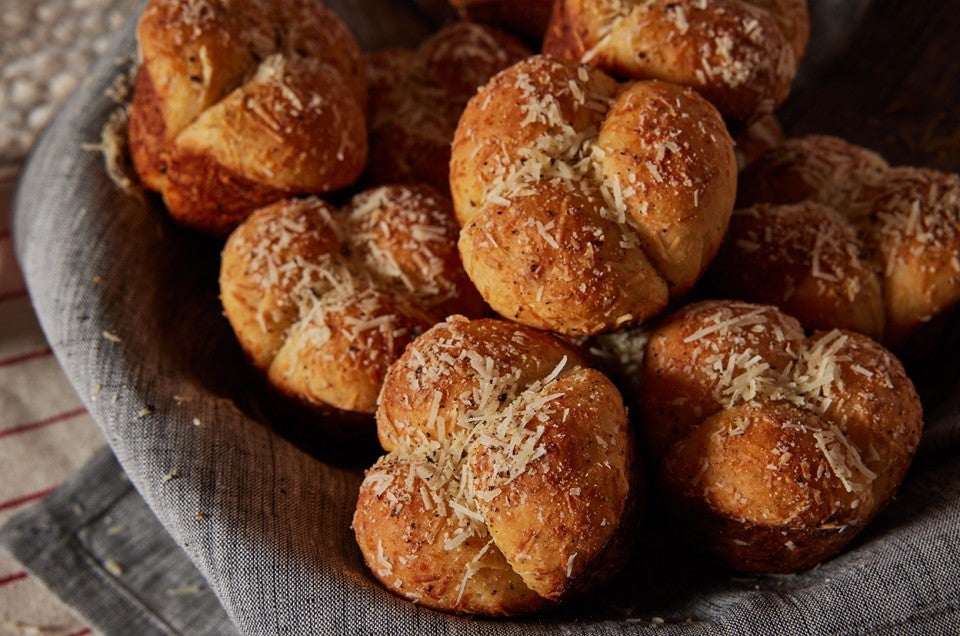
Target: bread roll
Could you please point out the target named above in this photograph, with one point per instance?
(241, 103)
(586, 205)
(322, 301)
(416, 98)
(774, 449)
(857, 244)
(510, 476)
(807, 259)
(740, 55)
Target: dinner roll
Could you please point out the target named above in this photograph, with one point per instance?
(416, 98)
(806, 258)
(241, 103)
(740, 55)
(775, 449)
(510, 474)
(855, 244)
(587, 205)
(323, 300)
(819, 168)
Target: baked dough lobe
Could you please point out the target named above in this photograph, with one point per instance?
(323, 300)
(774, 448)
(740, 55)
(238, 104)
(510, 474)
(586, 205)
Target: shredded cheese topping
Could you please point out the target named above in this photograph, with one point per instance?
(310, 280)
(731, 40)
(498, 418)
(735, 348)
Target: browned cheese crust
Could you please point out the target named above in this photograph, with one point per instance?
(807, 259)
(585, 204)
(853, 243)
(818, 168)
(509, 474)
(774, 448)
(740, 55)
(322, 301)
(241, 103)
(416, 98)
(526, 18)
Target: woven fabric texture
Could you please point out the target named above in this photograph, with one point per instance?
(129, 304)
(100, 547)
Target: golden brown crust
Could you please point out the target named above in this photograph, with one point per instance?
(575, 193)
(899, 226)
(914, 233)
(147, 133)
(510, 475)
(776, 449)
(237, 106)
(805, 258)
(417, 98)
(322, 301)
(742, 56)
(818, 168)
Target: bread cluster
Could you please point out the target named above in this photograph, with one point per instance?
(774, 448)
(509, 479)
(837, 238)
(417, 96)
(589, 190)
(238, 104)
(587, 204)
(740, 55)
(323, 300)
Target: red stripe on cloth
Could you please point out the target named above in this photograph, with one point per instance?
(20, 501)
(13, 578)
(12, 294)
(23, 357)
(82, 632)
(53, 419)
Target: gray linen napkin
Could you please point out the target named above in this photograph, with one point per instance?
(98, 546)
(129, 303)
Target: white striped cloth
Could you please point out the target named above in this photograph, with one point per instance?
(45, 435)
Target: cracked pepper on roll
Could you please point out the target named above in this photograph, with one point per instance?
(509, 484)
(587, 205)
(742, 55)
(238, 104)
(774, 449)
(323, 300)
